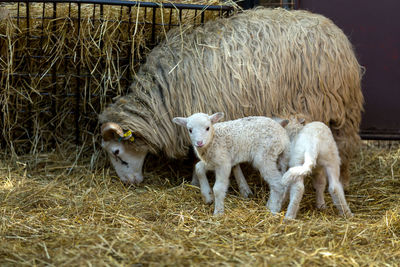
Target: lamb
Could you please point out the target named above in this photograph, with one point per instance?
(313, 148)
(219, 146)
(208, 68)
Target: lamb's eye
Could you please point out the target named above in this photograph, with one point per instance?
(208, 128)
(190, 130)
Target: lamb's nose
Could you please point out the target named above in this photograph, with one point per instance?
(199, 143)
(116, 152)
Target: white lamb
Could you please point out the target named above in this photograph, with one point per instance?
(258, 140)
(313, 149)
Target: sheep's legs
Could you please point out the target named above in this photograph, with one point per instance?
(336, 190)
(200, 171)
(272, 175)
(345, 174)
(244, 188)
(296, 194)
(220, 187)
(319, 183)
(195, 180)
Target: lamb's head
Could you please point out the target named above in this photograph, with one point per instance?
(200, 127)
(126, 152)
(293, 125)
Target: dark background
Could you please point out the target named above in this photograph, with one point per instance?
(373, 28)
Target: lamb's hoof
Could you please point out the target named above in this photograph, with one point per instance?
(321, 206)
(218, 213)
(289, 219)
(208, 199)
(273, 212)
(195, 182)
(348, 214)
(246, 193)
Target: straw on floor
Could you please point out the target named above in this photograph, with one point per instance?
(59, 213)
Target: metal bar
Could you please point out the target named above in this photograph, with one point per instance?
(130, 3)
(153, 29)
(130, 63)
(78, 82)
(29, 63)
(94, 13)
(296, 4)
(54, 71)
(18, 6)
(379, 136)
(170, 18)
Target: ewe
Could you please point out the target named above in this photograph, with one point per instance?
(208, 68)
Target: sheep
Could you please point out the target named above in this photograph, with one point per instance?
(312, 148)
(219, 146)
(293, 62)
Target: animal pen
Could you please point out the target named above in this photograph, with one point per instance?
(61, 64)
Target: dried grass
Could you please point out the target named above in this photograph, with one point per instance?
(51, 60)
(58, 214)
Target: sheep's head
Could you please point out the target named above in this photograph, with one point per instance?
(200, 127)
(293, 125)
(126, 153)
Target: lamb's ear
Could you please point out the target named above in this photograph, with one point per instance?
(216, 117)
(110, 130)
(301, 121)
(180, 121)
(284, 123)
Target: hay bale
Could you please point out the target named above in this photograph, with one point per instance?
(59, 71)
(270, 62)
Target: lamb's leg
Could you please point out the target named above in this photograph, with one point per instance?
(200, 171)
(345, 174)
(336, 190)
(195, 180)
(220, 187)
(296, 194)
(244, 188)
(272, 175)
(319, 183)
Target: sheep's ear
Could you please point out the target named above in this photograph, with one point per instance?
(284, 123)
(301, 121)
(110, 129)
(180, 121)
(216, 117)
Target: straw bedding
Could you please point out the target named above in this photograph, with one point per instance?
(59, 213)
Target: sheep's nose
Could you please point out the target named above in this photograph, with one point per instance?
(116, 152)
(199, 143)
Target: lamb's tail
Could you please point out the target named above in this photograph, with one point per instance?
(299, 172)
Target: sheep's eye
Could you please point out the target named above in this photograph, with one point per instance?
(208, 128)
(190, 130)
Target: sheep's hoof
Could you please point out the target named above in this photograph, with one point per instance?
(246, 192)
(208, 199)
(218, 213)
(289, 219)
(321, 206)
(195, 182)
(347, 214)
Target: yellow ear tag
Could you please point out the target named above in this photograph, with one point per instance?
(127, 136)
